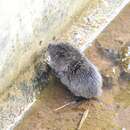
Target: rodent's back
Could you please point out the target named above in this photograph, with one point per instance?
(83, 79)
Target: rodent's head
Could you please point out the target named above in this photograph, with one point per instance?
(61, 54)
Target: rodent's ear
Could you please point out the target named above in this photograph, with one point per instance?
(50, 45)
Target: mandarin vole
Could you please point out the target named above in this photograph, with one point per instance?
(74, 70)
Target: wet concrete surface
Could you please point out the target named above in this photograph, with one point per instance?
(112, 113)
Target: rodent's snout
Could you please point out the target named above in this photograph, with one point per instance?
(49, 51)
(48, 58)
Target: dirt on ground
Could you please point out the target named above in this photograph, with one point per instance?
(111, 112)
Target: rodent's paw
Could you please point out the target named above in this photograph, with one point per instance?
(58, 74)
(75, 71)
(41, 75)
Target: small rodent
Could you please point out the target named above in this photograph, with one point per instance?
(74, 70)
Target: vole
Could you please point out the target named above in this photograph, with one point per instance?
(74, 70)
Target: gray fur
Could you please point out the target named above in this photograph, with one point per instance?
(74, 70)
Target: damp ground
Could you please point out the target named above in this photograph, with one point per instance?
(112, 112)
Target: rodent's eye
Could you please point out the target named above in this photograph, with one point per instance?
(62, 55)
